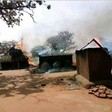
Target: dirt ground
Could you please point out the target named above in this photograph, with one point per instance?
(50, 92)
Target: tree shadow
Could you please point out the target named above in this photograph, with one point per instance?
(28, 84)
(25, 85)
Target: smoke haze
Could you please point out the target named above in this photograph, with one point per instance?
(86, 19)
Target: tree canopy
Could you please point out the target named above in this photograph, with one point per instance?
(63, 41)
(11, 11)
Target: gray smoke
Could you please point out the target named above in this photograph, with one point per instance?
(96, 21)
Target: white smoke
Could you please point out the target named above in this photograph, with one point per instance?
(86, 19)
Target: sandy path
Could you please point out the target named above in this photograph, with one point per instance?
(53, 99)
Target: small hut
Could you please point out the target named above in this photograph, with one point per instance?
(56, 59)
(94, 63)
(13, 59)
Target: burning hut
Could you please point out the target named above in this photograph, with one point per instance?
(13, 58)
(18, 59)
(94, 63)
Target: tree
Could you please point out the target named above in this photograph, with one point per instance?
(53, 42)
(62, 41)
(12, 10)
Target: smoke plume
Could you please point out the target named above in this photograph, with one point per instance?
(95, 20)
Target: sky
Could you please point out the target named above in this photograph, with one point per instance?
(85, 19)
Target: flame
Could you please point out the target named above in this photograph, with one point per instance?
(20, 45)
(98, 40)
(29, 59)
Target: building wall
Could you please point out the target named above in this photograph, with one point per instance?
(51, 59)
(82, 63)
(14, 65)
(94, 64)
(99, 64)
(8, 64)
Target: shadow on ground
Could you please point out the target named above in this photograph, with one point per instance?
(10, 86)
(13, 85)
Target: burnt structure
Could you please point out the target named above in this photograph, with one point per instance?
(63, 59)
(13, 59)
(94, 63)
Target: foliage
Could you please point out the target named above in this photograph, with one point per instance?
(53, 42)
(11, 11)
(62, 41)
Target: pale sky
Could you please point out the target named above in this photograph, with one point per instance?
(86, 19)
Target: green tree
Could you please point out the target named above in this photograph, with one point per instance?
(11, 11)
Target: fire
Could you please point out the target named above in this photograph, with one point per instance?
(98, 40)
(20, 45)
(29, 59)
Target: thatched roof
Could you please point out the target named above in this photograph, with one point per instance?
(6, 58)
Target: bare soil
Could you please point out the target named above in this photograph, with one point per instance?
(21, 91)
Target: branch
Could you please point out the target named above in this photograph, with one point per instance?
(3, 16)
(31, 15)
(11, 10)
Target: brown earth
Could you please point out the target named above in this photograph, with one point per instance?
(50, 92)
